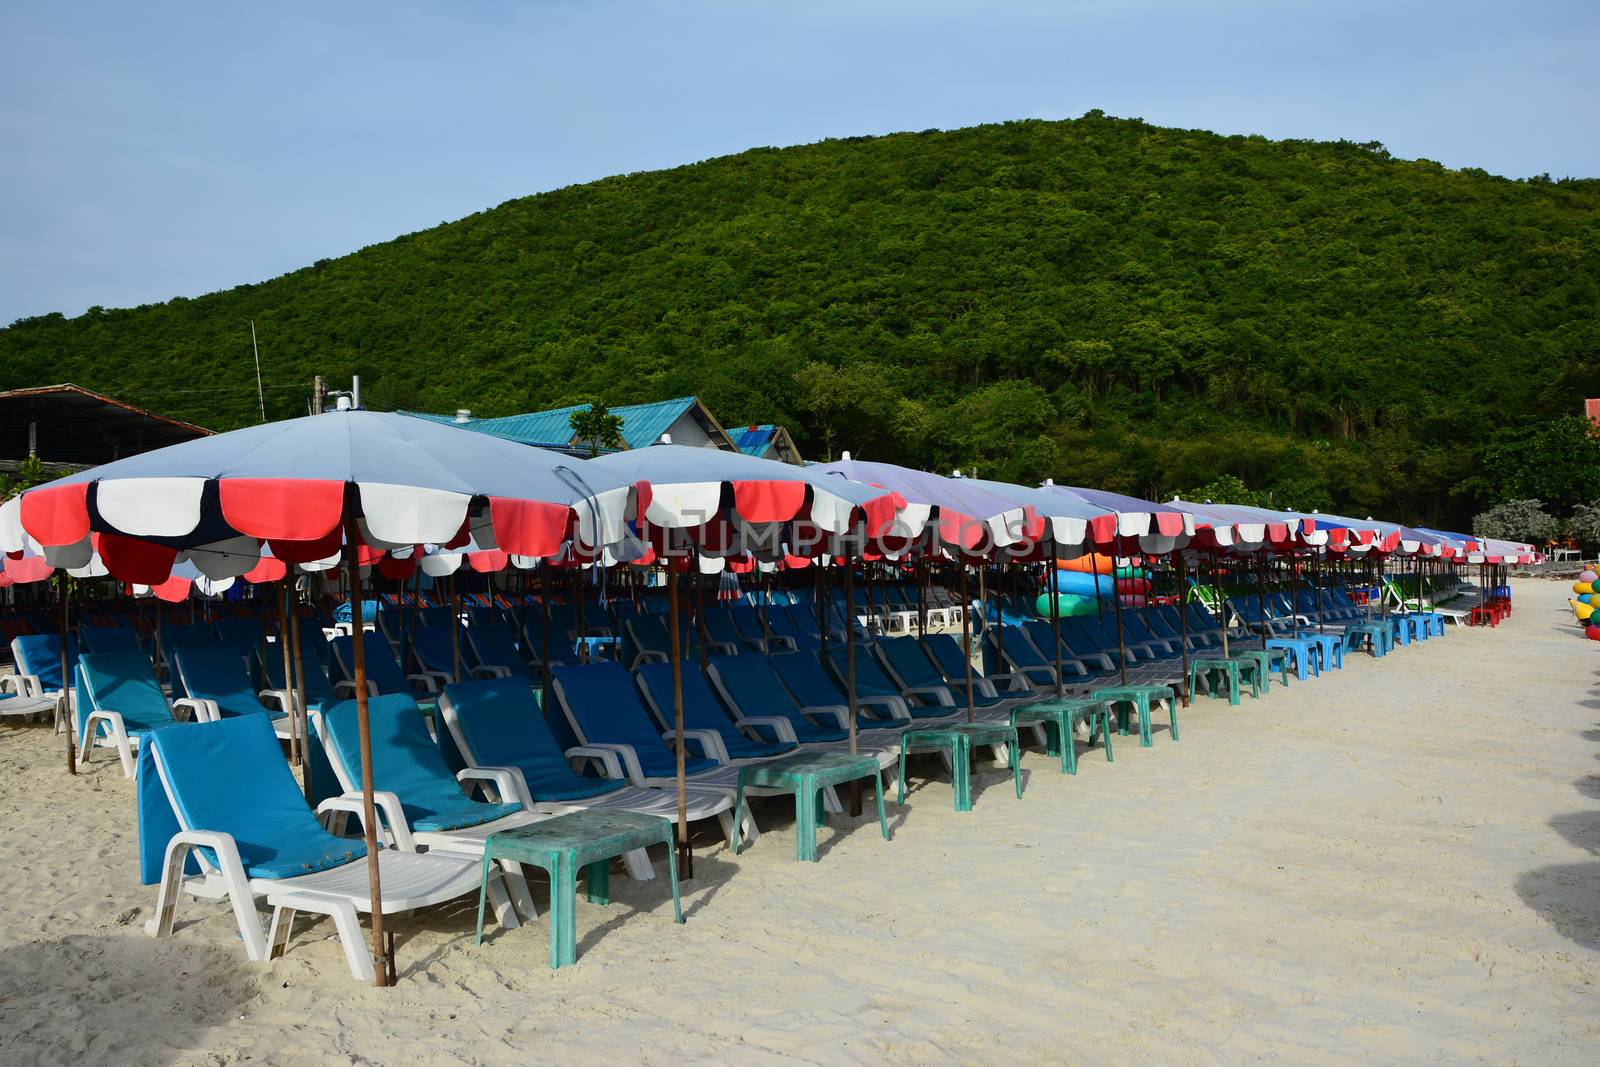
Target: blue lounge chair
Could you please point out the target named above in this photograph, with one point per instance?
(747, 686)
(420, 802)
(705, 725)
(217, 674)
(497, 725)
(605, 712)
(384, 676)
(947, 655)
(909, 667)
(934, 702)
(220, 815)
(119, 703)
(816, 690)
(109, 638)
(493, 646)
(38, 664)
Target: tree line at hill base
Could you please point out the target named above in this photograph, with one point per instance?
(1098, 300)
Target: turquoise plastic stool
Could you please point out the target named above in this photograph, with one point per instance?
(1064, 715)
(1138, 697)
(1377, 638)
(1300, 652)
(806, 774)
(587, 839)
(1330, 650)
(958, 741)
(1217, 667)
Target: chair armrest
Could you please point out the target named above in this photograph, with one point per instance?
(722, 648)
(1035, 674)
(839, 713)
(488, 670)
(647, 656)
(429, 680)
(782, 728)
(504, 780)
(348, 686)
(26, 685)
(515, 784)
(628, 760)
(781, 641)
(390, 814)
(710, 742)
(200, 710)
(284, 698)
(895, 706)
(937, 695)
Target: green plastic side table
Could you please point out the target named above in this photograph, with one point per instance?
(959, 740)
(1065, 715)
(1234, 669)
(563, 844)
(806, 774)
(1268, 660)
(1139, 697)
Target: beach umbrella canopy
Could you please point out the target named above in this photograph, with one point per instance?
(743, 499)
(293, 484)
(729, 505)
(1129, 524)
(351, 482)
(958, 512)
(1066, 518)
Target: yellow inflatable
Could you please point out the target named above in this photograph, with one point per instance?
(1582, 611)
(1583, 587)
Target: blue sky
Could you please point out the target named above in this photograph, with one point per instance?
(157, 149)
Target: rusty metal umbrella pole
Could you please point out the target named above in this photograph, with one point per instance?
(685, 850)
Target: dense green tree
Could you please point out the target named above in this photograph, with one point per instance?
(1098, 300)
(595, 428)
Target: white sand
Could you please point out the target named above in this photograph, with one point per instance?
(1395, 864)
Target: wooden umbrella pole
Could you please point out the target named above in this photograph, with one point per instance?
(369, 821)
(282, 598)
(1183, 622)
(64, 705)
(685, 852)
(1222, 601)
(1116, 604)
(299, 689)
(1261, 595)
(966, 635)
(455, 627)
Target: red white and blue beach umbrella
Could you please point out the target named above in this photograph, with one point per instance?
(732, 505)
(292, 485)
(1130, 525)
(958, 513)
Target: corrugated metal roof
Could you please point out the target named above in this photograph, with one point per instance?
(754, 440)
(642, 424)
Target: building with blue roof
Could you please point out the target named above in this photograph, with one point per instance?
(685, 419)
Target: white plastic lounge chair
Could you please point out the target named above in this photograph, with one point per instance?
(220, 807)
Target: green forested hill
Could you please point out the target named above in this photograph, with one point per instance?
(1097, 300)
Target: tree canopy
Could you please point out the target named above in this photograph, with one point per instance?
(1097, 300)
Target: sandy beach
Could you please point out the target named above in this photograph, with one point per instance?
(1396, 863)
